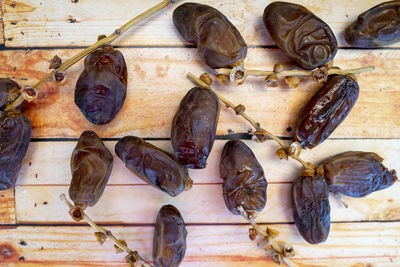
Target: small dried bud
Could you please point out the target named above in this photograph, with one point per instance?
(76, 213)
(272, 232)
(292, 81)
(320, 75)
(101, 36)
(29, 93)
(101, 238)
(260, 136)
(278, 68)
(238, 75)
(223, 79)
(239, 109)
(271, 80)
(282, 154)
(252, 234)
(60, 77)
(55, 62)
(294, 149)
(118, 249)
(132, 258)
(205, 77)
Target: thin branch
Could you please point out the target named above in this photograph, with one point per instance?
(106, 233)
(107, 40)
(281, 250)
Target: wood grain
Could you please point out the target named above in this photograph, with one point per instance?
(7, 207)
(32, 23)
(203, 203)
(1, 23)
(157, 83)
(43, 157)
(347, 245)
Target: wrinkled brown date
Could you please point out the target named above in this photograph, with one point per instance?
(356, 174)
(218, 42)
(311, 209)
(326, 110)
(303, 37)
(91, 165)
(15, 134)
(244, 181)
(169, 242)
(194, 127)
(153, 165)
(9, 91)
(101, 88)
(376, 27)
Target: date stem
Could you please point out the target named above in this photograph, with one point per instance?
(104, 41)
(281, 250)
(260, 134)
(239, 74)
(107, 234)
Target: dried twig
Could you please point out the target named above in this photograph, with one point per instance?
(104, 41)
(102, 234)
(281, 250)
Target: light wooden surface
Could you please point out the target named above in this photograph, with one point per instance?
(35, 228)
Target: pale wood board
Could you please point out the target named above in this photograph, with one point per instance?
(32, 23)
(7, 207)
(157, 83)
(349, 244)
(43, 157)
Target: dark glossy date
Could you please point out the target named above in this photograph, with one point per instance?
(244, 181)
(101, 88)
(326, 110)
(91, 165)
(311, 209)
(9, 91)
(218, 42)
(15, 134)
(356, 174)
(303, 37)
(376, 27)
(194, 127)
(153, 165)
(169, 242)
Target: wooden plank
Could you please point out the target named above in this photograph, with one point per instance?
(203, 203)
(157, 83)
(44, 157)
(349, 244)
(1, 23)
(7, 207)
(31, 23)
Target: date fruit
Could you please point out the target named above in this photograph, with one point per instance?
(101, 88)
(376, 27)
(218, 42)
(169, 243)
(15, 134)
(153, 165)
(244, 181)
(356, 174)
(326, 110)
(91, 165)
(194, 127)
(303, 37)
(311, 209)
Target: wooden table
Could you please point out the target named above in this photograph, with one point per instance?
(36, 229)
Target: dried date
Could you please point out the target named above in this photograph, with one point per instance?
(153, 165)
(194, 127)
(303, 37)
(376, 27)
(326, 110)
(101, 88)
(15, 134)
(356, 174)
(169, 242)
(91, 165)
(244, 180)
(218, 42)
(311, 209)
